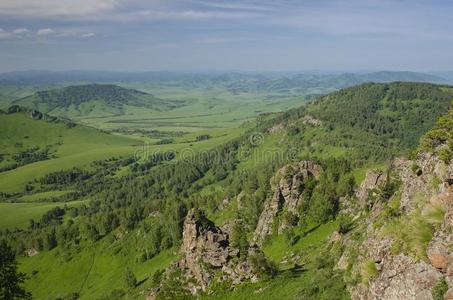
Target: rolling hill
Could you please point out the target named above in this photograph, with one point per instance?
(136, 221)
(31, 148)
(94, 100)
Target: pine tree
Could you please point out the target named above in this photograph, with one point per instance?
(10, 279)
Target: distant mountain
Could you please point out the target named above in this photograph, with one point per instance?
(237, 79)
(448, 75)
(304, 82)
(98, 99)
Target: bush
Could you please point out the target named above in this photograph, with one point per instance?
(157, 277)
(411, 235)
(262, 266)
(129, 278)
(440, 289)
(290, 237)
(344, 224)
(369, 271)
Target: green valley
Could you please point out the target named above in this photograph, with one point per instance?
(89, 212)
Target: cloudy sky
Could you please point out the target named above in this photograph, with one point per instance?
(226, 35)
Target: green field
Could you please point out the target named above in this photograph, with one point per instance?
(42, 197)
(93, 272)
(17, 215)
(70, 147)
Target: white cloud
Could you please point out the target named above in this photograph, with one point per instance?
(45, 31)
(87, 35)
(20, 30)
(55, 8)
(117, 10)
(185, 15)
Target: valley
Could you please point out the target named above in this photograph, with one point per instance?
(92, 190)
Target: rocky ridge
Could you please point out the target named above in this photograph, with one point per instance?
(408, 268)
(206, 255)
(288, 186)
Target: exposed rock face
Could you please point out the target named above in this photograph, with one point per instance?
(205, 249)
(310, 120)
(440, 249)
(373, 179)
(401, 276)
(288, 188)
(31, 252)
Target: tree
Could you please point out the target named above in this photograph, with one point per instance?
(129, 278)
(239, 238)
(10, 279)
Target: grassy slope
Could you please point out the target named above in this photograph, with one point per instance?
(205, 109)
(94, 272)
(288, 283)
(17, 215)
(43, 196)
(74, 147)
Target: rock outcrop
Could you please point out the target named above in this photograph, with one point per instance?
(206, 252)
(425, 188)
(310, 120)
(373, 180)
(288, 186)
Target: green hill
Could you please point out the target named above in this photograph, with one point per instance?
(397, 113)
(31, 148)
(136, 220)
(94, 100)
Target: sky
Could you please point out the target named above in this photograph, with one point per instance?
(252, 35)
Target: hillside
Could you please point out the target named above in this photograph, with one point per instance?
(33, 144)
(267, 204)
(93, 100)
(397, 111)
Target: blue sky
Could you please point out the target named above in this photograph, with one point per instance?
(256, 35)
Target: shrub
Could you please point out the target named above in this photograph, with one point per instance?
(262, 266)
(369, 271)
(435, 215)
(344, 224)
(157, 276)
(129, 278)
(290, 237)
(445, 155)
(440, 289)
(411, 235)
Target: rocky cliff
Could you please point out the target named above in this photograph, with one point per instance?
(406, 243)
(288, 186)
(206, 255)
(206, 249)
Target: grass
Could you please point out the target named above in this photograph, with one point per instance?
(17, 215)
(79, 147)
(290, 280)
(72, 147)
(369, 271)
(411, 234)
(276, 249)
(41, 197)
(205, 109)
(94, 271)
